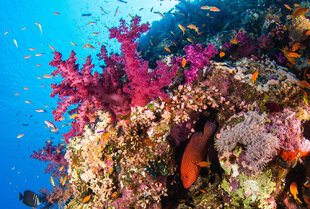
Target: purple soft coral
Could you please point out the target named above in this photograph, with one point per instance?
(198, 58)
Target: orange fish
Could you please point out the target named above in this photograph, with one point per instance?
(204, 7)
(39, 65)
(307, 33)
(73, 43)
(293, 55)
(27, 56)
(191, 26)
(52, 181)
(287, 6)
(23, 28)
(106, 136)
(194, 153)
(88, 46)
(62, 118)
(295, 46)
(167, 49)
(203, 164)
(26, 88)
(43, 85)
(300, 11)
(32, 49)
(222, 54)
(20, 136)
(39, 54)
(48, 76)
(64, 180)
(16, 94)
(39, 77)
(254, 76)
(296, 5)
(27, 102)
(90, 23)
(294, 191)
(56, 13)
(52, 48)
(183, 62)
(182, 28)
(214, 9)
(95, 33)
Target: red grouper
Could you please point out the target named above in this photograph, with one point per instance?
(194, 154)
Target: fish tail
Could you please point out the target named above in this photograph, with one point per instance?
(21, 196)
(209, 129)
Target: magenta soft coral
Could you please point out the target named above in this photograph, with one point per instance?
(55, 156)
(144, 84)
(198, 57)
(90, 92)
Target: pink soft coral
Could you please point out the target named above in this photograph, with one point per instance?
(144, 84)
(55, 156)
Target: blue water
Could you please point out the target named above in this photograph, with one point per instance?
(18, 171)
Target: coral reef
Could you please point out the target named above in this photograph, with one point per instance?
(248, 76)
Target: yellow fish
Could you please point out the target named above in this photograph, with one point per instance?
(52, 181)
(20, 136)
(15, 42)
(74, 116)
(39, 25)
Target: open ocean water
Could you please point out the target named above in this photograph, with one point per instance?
(20, 76)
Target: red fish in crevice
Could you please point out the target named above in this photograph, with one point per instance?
(194, 154)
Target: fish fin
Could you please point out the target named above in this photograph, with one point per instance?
(21, 196)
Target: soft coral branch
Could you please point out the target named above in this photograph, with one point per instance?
(55, 156)
(144, 84)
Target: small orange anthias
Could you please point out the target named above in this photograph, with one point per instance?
(194, 154)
